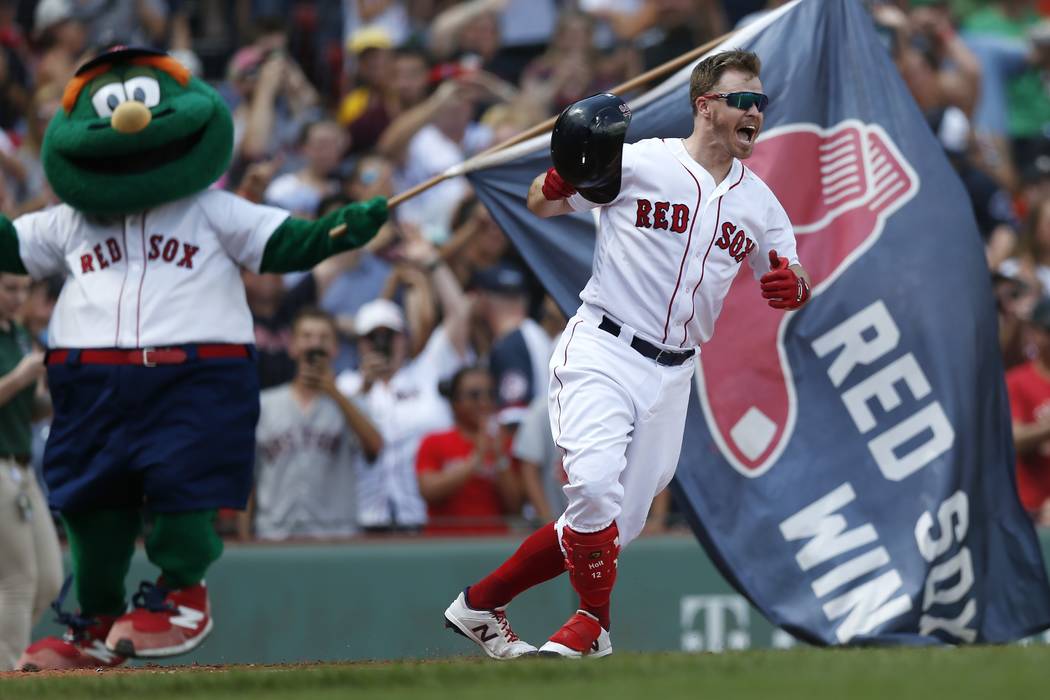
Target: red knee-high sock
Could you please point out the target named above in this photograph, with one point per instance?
(601, 612)
(538, 559)
(591, 560)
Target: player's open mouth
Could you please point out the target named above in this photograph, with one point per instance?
(133, 163)
(747, 133)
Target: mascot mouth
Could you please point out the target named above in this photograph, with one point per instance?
(142, 161)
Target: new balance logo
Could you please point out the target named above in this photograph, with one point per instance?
(187, 618)
(482, 633)
(99, 651)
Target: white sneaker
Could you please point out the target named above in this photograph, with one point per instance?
(489, 629)
(580, 637)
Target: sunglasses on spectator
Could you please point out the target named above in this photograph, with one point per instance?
(741, 100)
(475, 395)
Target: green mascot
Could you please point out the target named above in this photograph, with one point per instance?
(151, 366)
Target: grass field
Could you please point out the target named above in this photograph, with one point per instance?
(894, 674)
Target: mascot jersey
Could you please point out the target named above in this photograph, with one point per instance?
(137, 280)
(151, 366)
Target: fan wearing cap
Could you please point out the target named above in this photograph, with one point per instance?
(368, 108)
(151, 365)
(1028, 386)
(521, 349)
(401, 396)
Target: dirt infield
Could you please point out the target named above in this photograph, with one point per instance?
(158, 669)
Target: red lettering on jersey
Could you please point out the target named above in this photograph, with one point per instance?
(679, 218)
(735, 240)
(747, 250)
(678, 223)
(114, 250)
(738, 243)
(188, 251)
(170, 249)
(728, 230)
(154, 246)
(87, 263)
(660, 215)
(641, 220)
(102, 264)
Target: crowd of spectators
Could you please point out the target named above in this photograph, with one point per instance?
(405, 383)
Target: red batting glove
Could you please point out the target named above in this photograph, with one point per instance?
(556, 188)
(781, 286)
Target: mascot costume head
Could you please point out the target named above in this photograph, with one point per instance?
(135, 130)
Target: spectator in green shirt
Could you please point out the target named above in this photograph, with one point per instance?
(1015, 104)
(30, 562)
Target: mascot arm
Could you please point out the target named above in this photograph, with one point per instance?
(10, 258)
(298, 244)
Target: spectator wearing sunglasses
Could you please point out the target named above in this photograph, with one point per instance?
(464, 473)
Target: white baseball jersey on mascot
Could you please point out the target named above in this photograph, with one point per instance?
(136, 281)
(668, 248)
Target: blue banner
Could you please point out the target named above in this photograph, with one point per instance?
(849, 467)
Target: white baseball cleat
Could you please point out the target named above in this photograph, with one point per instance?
(489, 629)
(580, 637)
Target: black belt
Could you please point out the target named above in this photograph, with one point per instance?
(668, 358)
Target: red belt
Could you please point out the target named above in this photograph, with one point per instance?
(148, 357)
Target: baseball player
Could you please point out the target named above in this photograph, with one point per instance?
(151, 369)
(676, 219)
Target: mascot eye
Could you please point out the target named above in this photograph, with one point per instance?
(108, 98)
(143, 89)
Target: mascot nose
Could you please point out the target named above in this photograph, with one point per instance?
(130, 117)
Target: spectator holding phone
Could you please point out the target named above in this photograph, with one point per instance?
(308, 438)
(401, 396)
(464, 473)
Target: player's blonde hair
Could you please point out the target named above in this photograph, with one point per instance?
(709, 71)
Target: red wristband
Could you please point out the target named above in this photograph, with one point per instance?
(554, 187)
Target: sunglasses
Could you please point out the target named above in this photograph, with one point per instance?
(741, 100)
(476, 395)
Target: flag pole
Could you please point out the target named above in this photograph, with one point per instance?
(546, 125)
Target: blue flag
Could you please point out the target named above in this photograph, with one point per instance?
(849, 467)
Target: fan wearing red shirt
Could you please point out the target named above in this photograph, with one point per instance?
(1029, 388)
(464, 474)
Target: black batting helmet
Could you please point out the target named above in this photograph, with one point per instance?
(587, 145)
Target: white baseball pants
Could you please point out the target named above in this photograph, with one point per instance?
(618, 418)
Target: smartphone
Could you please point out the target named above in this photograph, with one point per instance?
(314, 355)
(382, 341)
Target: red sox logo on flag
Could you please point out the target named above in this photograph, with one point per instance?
(838, 186)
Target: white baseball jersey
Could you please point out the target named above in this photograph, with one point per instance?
(165, 276)
(669, 247)
(404, 410)
(672, 241)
